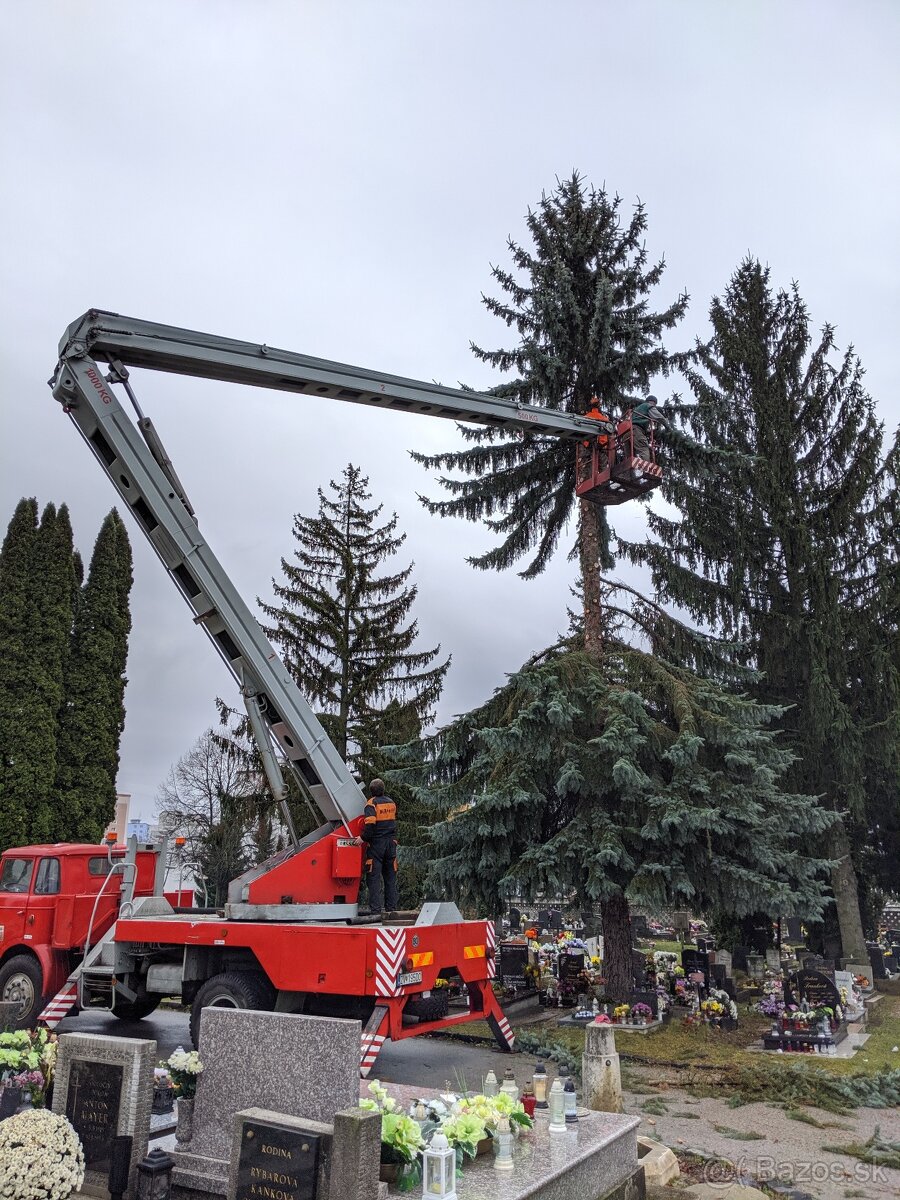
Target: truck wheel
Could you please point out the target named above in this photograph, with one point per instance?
(429, 1008)
(232, 989)
(22, 983)
(136, 1010)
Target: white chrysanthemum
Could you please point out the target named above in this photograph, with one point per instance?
(40, 1157)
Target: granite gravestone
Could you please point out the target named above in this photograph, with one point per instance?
(639, 963)
(722, 958)
(104, 1086)
(556, 921)
(739, 958)
(515, 920)
(681, 922)
(305, 1067)
(639, 927)
(649, 997)
(543, 920)
(773, 959)
(570, 965)
(876, 958)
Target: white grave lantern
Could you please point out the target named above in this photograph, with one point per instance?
(439, 1169)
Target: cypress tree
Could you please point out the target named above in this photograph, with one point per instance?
(774, 552)
(94, 715)
(22, 737)
(579, 301)
(626, 777)
(345, 630)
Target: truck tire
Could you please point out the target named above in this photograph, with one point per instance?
(429, 1008)
(231, 989)
(22, 981)
(136, 1010)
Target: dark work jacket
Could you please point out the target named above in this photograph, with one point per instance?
(380, 820)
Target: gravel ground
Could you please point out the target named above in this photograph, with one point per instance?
(789, 1152)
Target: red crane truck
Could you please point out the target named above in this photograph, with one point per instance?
(290, 937)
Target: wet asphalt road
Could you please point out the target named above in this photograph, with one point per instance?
(430, 1062)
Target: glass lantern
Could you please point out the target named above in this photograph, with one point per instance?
(557, 1108)
(439, 1169)
(570, 1101)
(539, 1083)
(491, 1087)
(508, 1086)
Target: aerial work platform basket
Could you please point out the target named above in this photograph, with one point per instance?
(609, 471)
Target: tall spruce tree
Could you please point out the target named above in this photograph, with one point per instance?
(345, 630)
(580, 302)
(93, 717)
(775, 552)
(22, 736)
(624, 777)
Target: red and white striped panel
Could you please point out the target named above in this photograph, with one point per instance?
(490, 950)
(649, 468)
(373, 1038)
(390, 948)
(61, 1004)
(501, 1029)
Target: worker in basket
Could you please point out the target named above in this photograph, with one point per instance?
(641, 416)
(379, 836)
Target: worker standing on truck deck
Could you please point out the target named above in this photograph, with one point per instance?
(379, 834)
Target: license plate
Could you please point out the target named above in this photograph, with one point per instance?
(409, 977)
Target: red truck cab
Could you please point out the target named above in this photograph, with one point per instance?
(48, 906)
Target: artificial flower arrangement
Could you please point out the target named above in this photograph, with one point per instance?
(184, 1067)
(490, 1110)
(27, 1062)
(40, 1157)
(621, 1011)
(642, 1012)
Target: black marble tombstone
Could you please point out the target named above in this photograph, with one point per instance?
(92, 1107)
(876, 958)
(513, 961)
(543, 919)
(570, 965)
(515, 920)
(639, 965)
(556, 920)
(278, 1161)
(739, 958)
(814, 987)
(649, 997)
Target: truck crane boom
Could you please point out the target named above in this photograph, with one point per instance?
(290, 936)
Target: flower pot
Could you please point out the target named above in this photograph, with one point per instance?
(184, 1129)
(485, 1146)
(389, 1172)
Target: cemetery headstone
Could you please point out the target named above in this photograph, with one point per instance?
(876, 958)
(649, 997)
(681, 922)
(305, 1067)
(794, 929)
(515, 920)
(705, 944)
(513, 961)
(694, 961)
(543, 919)
(639, 962)
(570, 965)
(104, 1087)
(844, 979)
(814, 987)
(773, 958)
(640, 927)
(556, 920)
(723, 959)
(739, 958)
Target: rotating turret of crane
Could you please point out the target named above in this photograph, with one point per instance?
(290, 937)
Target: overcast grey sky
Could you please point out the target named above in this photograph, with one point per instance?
(336, 178)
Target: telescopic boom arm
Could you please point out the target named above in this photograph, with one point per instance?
(136, 462)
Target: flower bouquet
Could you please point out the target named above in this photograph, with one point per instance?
(642, 1014)
(401, 1138)
(27, 1061)
(184, 1067)
(620, 1013)
(40, 1157)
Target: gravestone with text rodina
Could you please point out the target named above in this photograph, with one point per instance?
(104, 1086)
